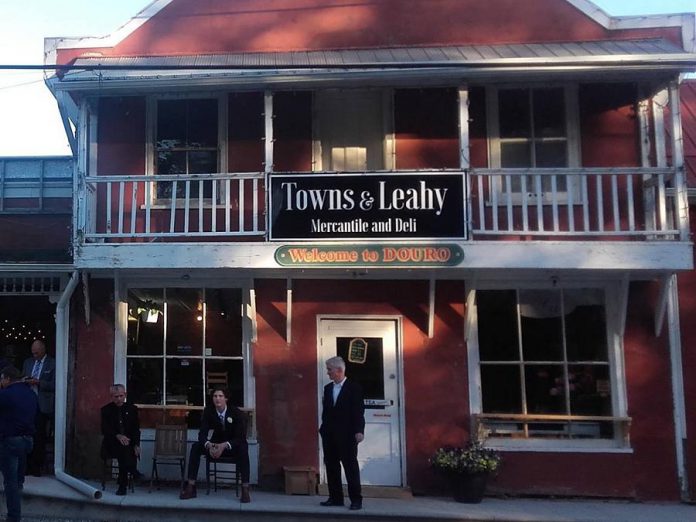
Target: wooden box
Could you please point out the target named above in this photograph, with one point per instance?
(300, 480)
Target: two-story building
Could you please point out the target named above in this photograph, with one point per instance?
(481, 206)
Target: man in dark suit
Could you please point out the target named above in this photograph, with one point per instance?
(228, 440)
(17, 424)
(342, 429)
(39, 371)
(120, 427)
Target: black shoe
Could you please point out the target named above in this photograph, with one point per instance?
(121, 491)
(331, 503)
(354, 506)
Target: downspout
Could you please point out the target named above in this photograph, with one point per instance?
(678, 399)
(62, 322)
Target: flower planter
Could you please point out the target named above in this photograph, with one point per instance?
(469, 487)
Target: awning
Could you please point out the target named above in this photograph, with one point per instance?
(649, 55)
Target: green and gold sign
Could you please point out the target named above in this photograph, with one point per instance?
(357, 351)
(386, 255)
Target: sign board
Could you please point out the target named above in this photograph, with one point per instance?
(414, 205)
(374, 255)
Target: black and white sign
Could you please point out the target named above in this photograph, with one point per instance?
(366, 206)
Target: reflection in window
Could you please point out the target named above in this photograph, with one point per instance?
(545, 352)
(169, 351)
(186, 143)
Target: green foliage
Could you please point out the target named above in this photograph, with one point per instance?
(473, 458)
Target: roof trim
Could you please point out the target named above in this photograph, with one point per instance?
(687, 22)
(52, 44)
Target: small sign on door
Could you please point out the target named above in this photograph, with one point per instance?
(357, 351)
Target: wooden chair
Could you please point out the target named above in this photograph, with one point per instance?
(110, 472)
(220, 467)
(215, 379)
(169, 450)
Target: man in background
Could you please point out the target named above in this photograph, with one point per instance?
(40, 373)
(18, 407)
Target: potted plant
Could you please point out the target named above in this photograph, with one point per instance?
(467, 468)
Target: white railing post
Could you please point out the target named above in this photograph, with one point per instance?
(681, 203)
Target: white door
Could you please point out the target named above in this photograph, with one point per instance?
(370, 350)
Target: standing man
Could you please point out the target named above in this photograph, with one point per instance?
(120, 427)
(228, 440)
(40, 372)
(342, 429)
(18, 406)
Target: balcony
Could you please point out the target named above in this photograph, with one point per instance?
(553, 214)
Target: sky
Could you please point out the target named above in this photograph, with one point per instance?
(31, 123)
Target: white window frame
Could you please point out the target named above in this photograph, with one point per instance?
(151, 142)
(121, 334)
(614, 315)
(388, 140)
(573, 151)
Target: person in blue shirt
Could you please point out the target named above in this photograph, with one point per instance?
(18, 406)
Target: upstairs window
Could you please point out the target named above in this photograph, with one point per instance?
(533, 128)
(186, 142)
(352, 130)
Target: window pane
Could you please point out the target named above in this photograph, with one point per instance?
(202, 162)
(185, 382)
(514, 113)
(545, 388)
(234, 372)
(223, 329)
(171, 123)
(500, 387)
(171, 162)
(145, 322)
(551, 154)
(184, 321)
(515, 155)
(497, 325)
(369, 374)
(590, 389)
(542, 328)
(586, 329)
(202, 123)
(549, 113)
(145, 379)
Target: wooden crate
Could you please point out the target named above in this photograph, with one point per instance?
(300, 480)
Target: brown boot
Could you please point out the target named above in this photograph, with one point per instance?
(245, 498)
(189, 491)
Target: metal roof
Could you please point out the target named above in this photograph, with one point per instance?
(646, 54)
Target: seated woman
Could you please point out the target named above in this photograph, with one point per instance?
(228, 440)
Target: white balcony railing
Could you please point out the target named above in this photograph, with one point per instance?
(630, 203)
(140, 207)
(582, 204)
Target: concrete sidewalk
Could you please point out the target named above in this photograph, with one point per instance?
(47, 499)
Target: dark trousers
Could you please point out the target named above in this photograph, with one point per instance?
(240, 455)
(127, 462)
(337, 452)
(37, 458)
(13, 457)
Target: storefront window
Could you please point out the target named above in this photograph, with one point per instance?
(544, 364)
(182, 341)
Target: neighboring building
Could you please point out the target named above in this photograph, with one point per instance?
(481, 205)
(35, 249)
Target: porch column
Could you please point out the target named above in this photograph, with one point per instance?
(464, 157)
(681, 201)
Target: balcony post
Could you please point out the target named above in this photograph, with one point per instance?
(464, 154)
(681, 201)
(648, 193)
